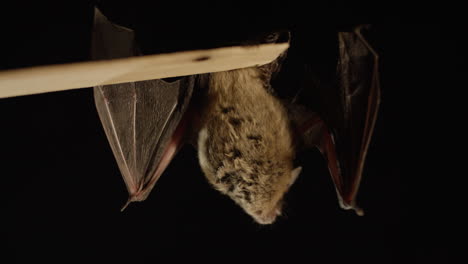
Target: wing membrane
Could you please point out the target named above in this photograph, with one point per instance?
(140, 118)
(359, 100)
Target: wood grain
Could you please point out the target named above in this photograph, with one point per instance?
(50, 78)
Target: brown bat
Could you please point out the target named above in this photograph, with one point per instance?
(246, 136)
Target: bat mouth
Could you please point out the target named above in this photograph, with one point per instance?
(268, 217)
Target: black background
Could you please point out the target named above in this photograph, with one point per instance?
(63, 191)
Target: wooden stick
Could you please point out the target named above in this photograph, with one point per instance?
(50, 78)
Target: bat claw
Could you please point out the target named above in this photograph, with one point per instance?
(133, 198)
(351, 206)
(356, 209)
(126, 204)
(359, 211)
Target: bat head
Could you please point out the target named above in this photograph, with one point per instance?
(257, 185)
(261, 199)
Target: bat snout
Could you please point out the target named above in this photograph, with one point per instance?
(268, 217)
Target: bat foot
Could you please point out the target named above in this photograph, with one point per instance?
(351, 206)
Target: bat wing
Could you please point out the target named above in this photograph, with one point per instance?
(344, 114)
(144, 121)
(351, 126)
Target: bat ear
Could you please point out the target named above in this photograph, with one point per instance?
(295, 173)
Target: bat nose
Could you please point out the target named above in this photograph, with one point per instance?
(266, 218)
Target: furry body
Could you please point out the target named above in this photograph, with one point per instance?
(245, 144)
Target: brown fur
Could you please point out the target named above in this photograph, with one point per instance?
(245, 145)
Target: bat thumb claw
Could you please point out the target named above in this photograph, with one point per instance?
(350, 206)
(355, 208)
(359, 211)
(126, 204)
